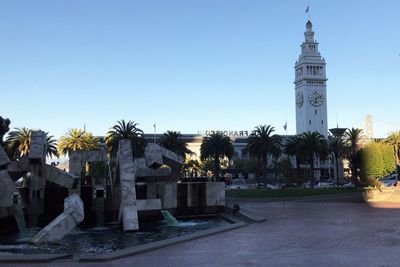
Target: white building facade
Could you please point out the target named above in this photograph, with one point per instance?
(310, 87)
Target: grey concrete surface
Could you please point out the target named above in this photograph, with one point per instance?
(73, 214)
(295, 234)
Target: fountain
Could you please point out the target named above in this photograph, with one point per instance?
(98, 192)
(171, 220)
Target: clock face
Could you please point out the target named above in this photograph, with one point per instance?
(299, 99)
(315, 98)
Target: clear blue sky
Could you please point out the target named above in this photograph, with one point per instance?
(193, 65)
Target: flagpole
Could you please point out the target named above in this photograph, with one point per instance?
(155, 136)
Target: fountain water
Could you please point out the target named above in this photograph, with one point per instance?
(19, 218)
(171, 220)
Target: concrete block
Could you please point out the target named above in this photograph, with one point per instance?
(4, 160)
(151, 190)
(168, 194)
(156, 156)
(7, 189)
(78, 159)
(128, 207)
(130, 218)
(141, 170)
(125, 160)
(148, 204)
(75, 158)
(37, 146)
(73, 214)
(215, 194)
(196, 194)
(128, 192)
(58, 176)
(15, 167)
(153, 155)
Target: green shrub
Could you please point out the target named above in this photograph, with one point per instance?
(388, 159)
(372, 165)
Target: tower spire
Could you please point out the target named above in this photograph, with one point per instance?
(309, 34)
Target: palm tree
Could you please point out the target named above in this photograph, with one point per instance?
(353, 137)
(17, 142)
(51, 147)
(292, 148)
(77, 140)
(313, 145)
(216, 147)
(394, 140)
(261, 143)
(172, 141)
(339, 149)
(125, 130)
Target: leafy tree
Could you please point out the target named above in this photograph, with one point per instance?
(353, 137)
(394, 140)
(192, 168)
(4, 128)
(389, 162)
(314, 146)
(339, 149)
(372, 166)
(125, 130)
(77, 140)
(262, 142)
(216, 147)
(172, 140)
(248, 165)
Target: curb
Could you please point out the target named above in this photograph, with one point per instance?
(33, 258)
(342, 196)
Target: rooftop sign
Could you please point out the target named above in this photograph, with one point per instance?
(228, 133)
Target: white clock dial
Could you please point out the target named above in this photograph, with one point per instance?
(299, 99)
(316, 98)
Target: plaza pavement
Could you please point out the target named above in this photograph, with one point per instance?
(298, 233)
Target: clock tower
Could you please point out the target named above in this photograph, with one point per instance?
(310, 87)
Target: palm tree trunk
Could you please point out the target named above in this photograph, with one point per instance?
(264, 164)
(337, 169)
(216, 168)
(298, 168)
(312, 172)
(258, 170)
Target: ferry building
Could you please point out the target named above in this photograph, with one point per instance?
(310, 100)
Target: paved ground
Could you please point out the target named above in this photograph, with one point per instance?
(295, 234)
